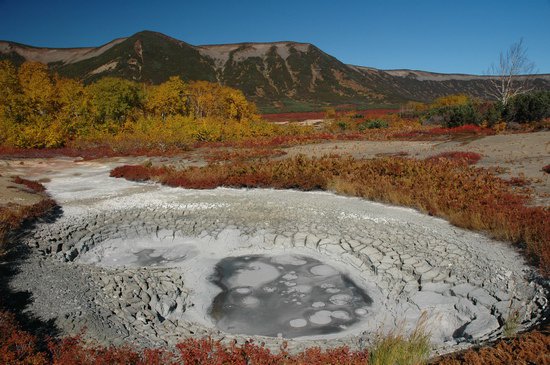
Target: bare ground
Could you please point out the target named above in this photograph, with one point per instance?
(518, 154)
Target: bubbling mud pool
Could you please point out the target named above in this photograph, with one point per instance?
(285, 296)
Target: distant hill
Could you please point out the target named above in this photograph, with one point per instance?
(277, 76)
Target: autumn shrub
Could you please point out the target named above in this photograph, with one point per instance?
(12, 217)
(526, 349)
(244, 154)
(18, 346)
(468, 197)
(372, 124)
(459, 109)
(546, 169)
(528, 107)
(33, 185)
(471, 158)
(444, 133)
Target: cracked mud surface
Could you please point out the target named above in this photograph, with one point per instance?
(133, 262)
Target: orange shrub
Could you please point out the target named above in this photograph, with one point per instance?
(471, 158)
(529, 348)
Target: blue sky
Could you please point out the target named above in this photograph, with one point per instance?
(433, 35)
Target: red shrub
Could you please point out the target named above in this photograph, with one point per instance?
(18, 346)
(529, 348)
(137, 172)
(300, 116)
(546, 169)
(33, 185)
(465, 130)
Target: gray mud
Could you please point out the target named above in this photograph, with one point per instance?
(282, 297)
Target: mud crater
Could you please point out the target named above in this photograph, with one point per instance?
(137, 263)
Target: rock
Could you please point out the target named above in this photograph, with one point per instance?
(440, 288)
(428, 299)
(462, 290)
(470, 310)
(481, 327)
(482, 297)
(502, 309)
(428, 277)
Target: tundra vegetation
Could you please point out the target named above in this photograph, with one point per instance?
(42, 114)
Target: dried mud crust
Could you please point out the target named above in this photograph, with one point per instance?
(410, 263)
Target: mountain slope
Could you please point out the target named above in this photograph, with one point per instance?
(279, 75)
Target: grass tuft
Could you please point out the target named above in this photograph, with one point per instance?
(396, 348)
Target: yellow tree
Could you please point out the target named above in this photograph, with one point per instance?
(168, 98)
(235, 105)
(113, 100)
(204, 99)
(37, 87)
(73, 106)
(9, 84)
(10, 95)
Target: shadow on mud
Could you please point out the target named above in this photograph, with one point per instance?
(17, 302)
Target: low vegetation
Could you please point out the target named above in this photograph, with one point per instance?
(468, 197)
(471, 158)
(526, 349)
(396, 347)
(459, 109)
(18, 347)
(13, 216)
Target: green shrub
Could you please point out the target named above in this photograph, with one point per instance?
(372, 124)
(342, 125)
(529, 107)
(459, 115)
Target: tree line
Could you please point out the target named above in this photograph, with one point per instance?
(38, 109)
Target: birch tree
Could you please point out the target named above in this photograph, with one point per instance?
(511, 76)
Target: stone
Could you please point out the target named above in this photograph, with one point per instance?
(440, 288)
(482, 297)
(462, 290)
(481, 327)
(428, 299)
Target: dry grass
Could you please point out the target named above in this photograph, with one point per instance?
(397, 348)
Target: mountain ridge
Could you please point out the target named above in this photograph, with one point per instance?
(277, 75)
